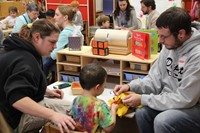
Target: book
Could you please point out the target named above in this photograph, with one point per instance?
(153, 40)
(141, 44)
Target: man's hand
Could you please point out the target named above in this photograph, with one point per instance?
(120, 88)
(132, 100)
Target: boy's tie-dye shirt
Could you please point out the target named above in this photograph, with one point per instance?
(91, 114)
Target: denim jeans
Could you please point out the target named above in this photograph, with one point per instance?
(48, 63)
(169, 121)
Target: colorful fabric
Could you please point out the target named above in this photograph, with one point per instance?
(91, 114)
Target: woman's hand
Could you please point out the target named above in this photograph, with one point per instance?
(54, 93)
(63, 121)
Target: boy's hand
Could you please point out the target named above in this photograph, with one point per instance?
(114, 107)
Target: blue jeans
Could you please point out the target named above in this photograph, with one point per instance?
(48, 63)
(169, 121)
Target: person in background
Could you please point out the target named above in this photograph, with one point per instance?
(25, 3)
(10, 20)
(77, 20)
(90, 113)
(23, 83)
(50, 13)
(170, 93)
(32, 12)
(63, 18)
(148, 8)
(124, 16)
(103, 21)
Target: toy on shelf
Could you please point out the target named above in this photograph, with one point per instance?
(119, 41)
(100, 48)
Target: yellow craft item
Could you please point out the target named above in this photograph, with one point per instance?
(122, 109)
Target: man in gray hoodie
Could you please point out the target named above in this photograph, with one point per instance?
(170, 93)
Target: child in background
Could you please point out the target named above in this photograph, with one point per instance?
(78, 20)
(103, 21)
(10, 20)
(90, 113)
(50, 13)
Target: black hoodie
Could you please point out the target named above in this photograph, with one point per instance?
(21, 75)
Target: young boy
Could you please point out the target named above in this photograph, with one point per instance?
(103, 21)
(50, 13)
(90, 113)
(10, 20)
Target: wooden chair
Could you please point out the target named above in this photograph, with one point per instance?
(4, 127)
(50, 128)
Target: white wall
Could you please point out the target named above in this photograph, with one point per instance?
(99, 5)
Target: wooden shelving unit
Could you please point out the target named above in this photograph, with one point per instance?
(85, 56)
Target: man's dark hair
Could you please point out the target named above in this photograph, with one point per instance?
(175, 18)
(149, 3)
(50, 12)
(92, 75)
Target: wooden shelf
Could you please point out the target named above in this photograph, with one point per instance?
(134, 71)
(122, 64)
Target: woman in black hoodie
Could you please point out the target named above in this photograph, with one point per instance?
(22, 82)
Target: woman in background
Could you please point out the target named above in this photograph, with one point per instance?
(63, 18)
(32, 12)
(124, 16)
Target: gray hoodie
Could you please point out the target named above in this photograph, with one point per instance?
(173, 81)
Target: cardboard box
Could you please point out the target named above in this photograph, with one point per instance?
(71, 68)
(139, 66)
(72, 58)
(76, 88)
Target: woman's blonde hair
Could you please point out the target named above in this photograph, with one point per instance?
(43, 26)
(67, 10)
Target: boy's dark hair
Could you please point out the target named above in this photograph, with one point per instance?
(175, 18)
(149, 3)
(102, 19)
(92, 75)
(50, 12)
(12, 9)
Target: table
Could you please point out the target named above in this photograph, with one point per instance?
(126, 124)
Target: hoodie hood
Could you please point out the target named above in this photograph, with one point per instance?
(15, 42)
